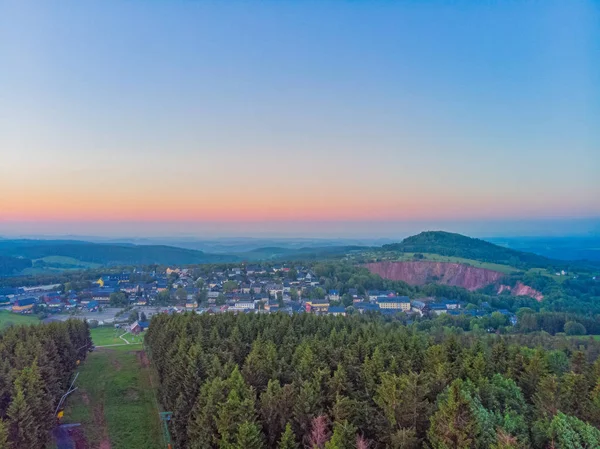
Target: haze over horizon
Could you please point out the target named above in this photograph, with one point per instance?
(309, 230)
(314, 118)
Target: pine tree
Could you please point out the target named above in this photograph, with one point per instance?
(499, 357)
(6, 382)
(535, 369)
(371, 369)
(574, 395)
(344, 436)
(568, 432)
(403, 400)
(249, 437)
(193, 376)
(546, 399)
(319, 432)
(34, 391)
(405, 439)
(276, 409)
(306, 407)
(339, 384)
(238, 408)
(202, 428)
(454, 425)
(22, 429)
(453, 351)
(261, 363)
(288, 440)
(506, 441)
(595, 404)
(3, 435)
(362, 442)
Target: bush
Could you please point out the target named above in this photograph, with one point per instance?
(574, 328)
(93, 324)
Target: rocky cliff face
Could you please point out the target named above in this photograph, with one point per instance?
(521, 289)
(423, 272)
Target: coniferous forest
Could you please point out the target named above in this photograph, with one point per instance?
(36, 365)
(304, 381)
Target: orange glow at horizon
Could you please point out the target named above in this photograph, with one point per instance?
(271, 206)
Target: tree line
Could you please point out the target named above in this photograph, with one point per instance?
(36, 365)
(303, 381)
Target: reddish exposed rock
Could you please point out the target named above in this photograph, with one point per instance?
(423, 272)
(521, 289)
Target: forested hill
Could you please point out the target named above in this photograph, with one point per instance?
(105, 254)
(457, 245)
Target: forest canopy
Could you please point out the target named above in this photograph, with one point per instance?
(36, 365)
(279, 381)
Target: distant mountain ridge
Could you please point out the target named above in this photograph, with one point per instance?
(21, 254)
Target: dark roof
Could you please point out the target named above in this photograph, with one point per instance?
(394, 300)
(25, 302)
(366, 306)
(437, 306)
(337, 309)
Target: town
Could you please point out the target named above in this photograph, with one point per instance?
(244, 288)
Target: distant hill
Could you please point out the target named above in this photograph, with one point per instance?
(22, 253)
(457, 245)
(308, 253)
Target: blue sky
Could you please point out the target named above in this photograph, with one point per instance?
(297, 112)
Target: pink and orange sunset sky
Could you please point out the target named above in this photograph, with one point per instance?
(284, 113)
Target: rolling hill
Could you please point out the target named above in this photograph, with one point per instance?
(307, 253)
(457, 245)
(457, 260)
(17, 255)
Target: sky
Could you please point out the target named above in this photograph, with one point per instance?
(298, 117)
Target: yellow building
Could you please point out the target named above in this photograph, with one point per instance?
(401, 303)
(317, 305)
(23, 305)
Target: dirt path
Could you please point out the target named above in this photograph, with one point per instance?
(121, 337)
(143, 358)
(101, 423)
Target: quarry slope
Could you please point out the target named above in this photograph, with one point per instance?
(423, 272)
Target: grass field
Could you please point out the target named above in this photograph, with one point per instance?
(103, 336)
(64, 260)
(475, 263)
(545, 272)
(115, 402)
(7, 318)
(507, 269)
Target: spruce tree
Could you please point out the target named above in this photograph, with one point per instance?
(22, 429)
(3, 435)
(405, 439)
(193, 376)
(288, 439)
(344, 436)
(249, 437)
(454, 425)
(38, 401)
(238, 408)
(275, 409)
(568, 432)
(546, 399)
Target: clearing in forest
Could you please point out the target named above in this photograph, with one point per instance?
(115, 403)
